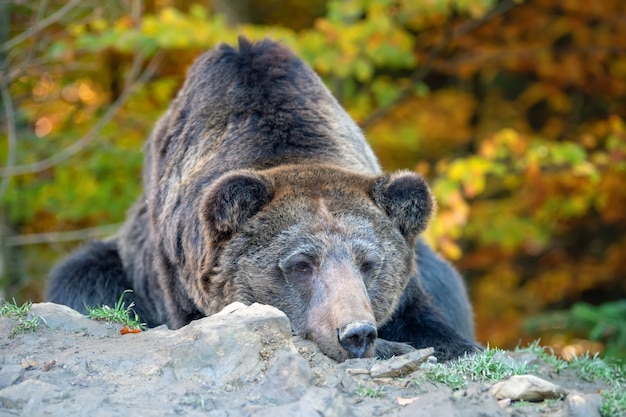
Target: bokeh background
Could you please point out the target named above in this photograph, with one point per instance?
(514, 110)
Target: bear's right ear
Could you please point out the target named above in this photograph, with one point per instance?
(233, 199)
(407, 200)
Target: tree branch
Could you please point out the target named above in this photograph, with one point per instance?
(54, 17)
(53, 237)
(85, 140)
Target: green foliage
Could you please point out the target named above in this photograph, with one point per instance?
(502, 162)
(603, 323)
(370, 392)
(26, 321)
(592, 368)
(614, 402)
(490, 365)
(120, 313)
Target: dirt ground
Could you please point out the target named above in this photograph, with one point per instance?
(242, 363)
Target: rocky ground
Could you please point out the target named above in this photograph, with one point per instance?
(243, 362)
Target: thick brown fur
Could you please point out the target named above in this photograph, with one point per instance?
(258, 187)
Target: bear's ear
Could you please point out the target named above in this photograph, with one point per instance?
(407, 200)
(233, 199)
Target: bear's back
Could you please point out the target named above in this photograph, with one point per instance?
(256, 107)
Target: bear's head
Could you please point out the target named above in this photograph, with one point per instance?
(331, 248)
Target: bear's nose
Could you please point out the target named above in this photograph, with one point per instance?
(357, 337)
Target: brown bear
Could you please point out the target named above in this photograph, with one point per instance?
(258, 187)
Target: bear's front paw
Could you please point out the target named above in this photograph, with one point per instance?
(386, 349)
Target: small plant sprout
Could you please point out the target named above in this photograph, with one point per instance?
(370, 392)
(120, 313)
(26, 321)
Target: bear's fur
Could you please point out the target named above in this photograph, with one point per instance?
(258, 187)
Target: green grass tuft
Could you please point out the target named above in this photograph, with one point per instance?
(21, 315)
(614, 402)
(120, 313)
(370, 392)
(546, 354)
(491, 365)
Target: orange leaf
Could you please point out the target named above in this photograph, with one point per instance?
(127, 330)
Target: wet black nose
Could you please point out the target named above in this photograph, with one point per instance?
(357, 337)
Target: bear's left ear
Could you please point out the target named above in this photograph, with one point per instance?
(407, 200)
(233, 199)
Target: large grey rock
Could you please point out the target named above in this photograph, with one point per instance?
(241, 362)
(231, 347)
(102, 373)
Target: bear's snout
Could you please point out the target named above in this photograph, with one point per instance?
(357, 337)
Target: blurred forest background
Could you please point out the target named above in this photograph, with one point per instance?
(514, 110)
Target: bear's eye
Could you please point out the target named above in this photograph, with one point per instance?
(302, 268)
(298, 267)
(367, 267)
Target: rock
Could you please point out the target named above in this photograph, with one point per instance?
(483, 405)
(444, 403)
(577, 404)
(299, 408)
(317, 402)
(10, 374)
(327, 402)
(401, 365)
(231, 308)
(357, 371)
(240, 362)
(218, 413)
(437, 403)
(287, 380)
(60, 317)
(27, 394)
(526, 388)
(504, 403)
(349, 384)
(231, 347)
(6, 325)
